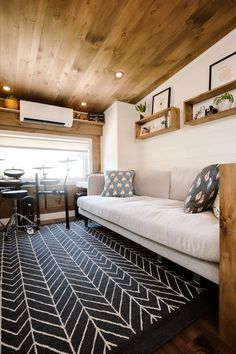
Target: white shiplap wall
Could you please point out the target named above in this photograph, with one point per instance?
(198, 145)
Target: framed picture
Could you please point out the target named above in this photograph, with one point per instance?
(223, 71)
(161, 100)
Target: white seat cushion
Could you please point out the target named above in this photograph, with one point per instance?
(162, 221)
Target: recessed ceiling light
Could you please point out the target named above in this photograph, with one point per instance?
(119, 74)
(6, 88)
(83, 103)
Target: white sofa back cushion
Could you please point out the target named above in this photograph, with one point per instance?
(181, 181)
(152, 183)
(95, 184)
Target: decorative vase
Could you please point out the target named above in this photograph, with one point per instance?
(11, 104)
(224, 105)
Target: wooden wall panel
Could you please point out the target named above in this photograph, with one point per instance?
(54, 203)
(227, 318)
(10, 121)
(64, 52)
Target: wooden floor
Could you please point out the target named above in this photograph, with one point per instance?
(202, 337)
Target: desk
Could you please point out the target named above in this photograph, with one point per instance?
(63, 192)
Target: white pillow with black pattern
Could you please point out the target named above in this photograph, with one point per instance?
(216, 206)
(203, 191)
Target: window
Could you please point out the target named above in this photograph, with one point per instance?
(28, 152)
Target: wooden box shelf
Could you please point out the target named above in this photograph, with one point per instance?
(174, 123)
(188, 105)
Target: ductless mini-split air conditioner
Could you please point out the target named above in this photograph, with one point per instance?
(33, 112)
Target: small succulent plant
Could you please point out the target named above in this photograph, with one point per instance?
(141, 108)
(10, 96)
(224, 96)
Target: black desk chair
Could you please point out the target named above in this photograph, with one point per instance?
(17, 221)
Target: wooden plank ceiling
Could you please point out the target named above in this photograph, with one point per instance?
(66, 51)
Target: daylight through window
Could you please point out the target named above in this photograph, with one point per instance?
(27, 152)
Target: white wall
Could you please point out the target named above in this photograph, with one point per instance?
(190, 146)
(109, 141)
(197, 145)
(127, 152)
(118, 139)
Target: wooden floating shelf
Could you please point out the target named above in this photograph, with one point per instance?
(158, 132)
(84, 121)
(188, 105)
(9, 110)
(211, 117)
(174, 123)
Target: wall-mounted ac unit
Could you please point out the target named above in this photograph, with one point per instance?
(33, 112)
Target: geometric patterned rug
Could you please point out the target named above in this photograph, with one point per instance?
(91, 291)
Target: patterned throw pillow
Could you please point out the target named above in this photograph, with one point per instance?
(203, 191)
(118, 184)
(216, 206)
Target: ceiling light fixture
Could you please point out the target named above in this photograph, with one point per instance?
(119, 74)
(6, 88)
(83, 103)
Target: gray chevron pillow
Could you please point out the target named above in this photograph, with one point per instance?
(203, 191)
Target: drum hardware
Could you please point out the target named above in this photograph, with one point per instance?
(50, 192)
(43, 177)
(14, 173)
(43, 168)
(67, 161)
(27, 208)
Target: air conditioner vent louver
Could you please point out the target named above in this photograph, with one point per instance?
(39, 121)
(39, 113)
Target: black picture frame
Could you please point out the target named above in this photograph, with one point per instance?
(165, 95)
(211, 67)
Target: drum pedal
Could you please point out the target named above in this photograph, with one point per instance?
(30, 230)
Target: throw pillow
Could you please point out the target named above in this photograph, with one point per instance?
(203, 191)
(118, 184)
(216, 206)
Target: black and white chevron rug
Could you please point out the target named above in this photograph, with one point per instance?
(90, 291)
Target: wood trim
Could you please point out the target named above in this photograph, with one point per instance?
(188, 105)
(10, 121)
(174, 123)
(212, 117)
(227, 316)
(212, 93)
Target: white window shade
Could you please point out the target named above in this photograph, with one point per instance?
(27, 151)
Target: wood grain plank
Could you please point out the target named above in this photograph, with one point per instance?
(31, 21)
(9, 34)
(227, 317)
(66, 51)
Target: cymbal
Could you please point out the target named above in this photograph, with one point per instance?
(68, 160)
(42, 168)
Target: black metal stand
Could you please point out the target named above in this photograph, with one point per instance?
(63, 192)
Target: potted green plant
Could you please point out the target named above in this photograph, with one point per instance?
(11, 101)
(141, 108)
(224, 101)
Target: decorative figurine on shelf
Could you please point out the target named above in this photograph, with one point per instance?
(224, 101)
(210, 110)
(200, 113)
(166, 121)
(141, 108)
